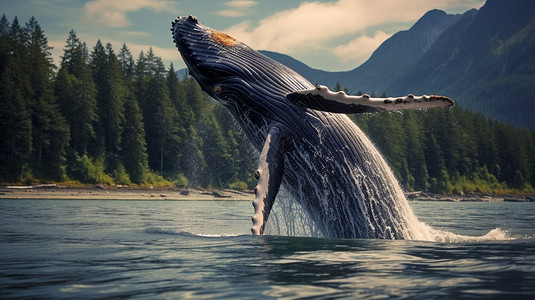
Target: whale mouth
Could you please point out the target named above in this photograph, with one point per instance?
(210, 55)
(187, 34)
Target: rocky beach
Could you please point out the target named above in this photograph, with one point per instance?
(99, 192)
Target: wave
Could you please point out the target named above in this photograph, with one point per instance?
(428, 233)
(496, 234)
(172, 231)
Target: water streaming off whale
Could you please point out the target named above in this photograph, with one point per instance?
(338, 179)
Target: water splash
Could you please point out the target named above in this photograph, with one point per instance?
(367, 202)
(173, 231)
(496, 234)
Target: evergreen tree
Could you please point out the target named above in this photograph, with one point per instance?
(4, 26)
(100, 77)
(418, 177)
(217, 155)
(134, 150)
(241, 158)
(73, 55)
(76, 94)
(15, 129)
(108, 77)
(127, 63)
(161, 123)
(387, 132)
(17, 35)
(15, 110)
(337, 87)
(50, 131)
(178, 96)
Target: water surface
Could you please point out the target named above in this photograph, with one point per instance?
(65, 249)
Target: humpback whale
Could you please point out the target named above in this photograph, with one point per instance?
(306, 142)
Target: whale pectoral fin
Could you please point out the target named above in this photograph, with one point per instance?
(321, 98)
(269, 176)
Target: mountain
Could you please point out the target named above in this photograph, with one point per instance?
(485, 61)
(389, 60)
(399, 52)
(392, 57)
(313, 75)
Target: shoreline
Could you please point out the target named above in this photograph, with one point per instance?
(47, 192)
(476, 197)
(97, 192)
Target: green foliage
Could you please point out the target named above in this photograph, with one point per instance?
(181, 181)
(105, 118)
(86, 170)
(453, 151)
(238, 185)
(156, 180)
(120, 176)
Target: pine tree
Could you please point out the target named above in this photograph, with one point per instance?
(161, 126)
(418, 177)
(76, 94)
(178, 96)
(50, 130)
(15, 111)
(127, 63)
(387, 133)
(108, 77)
(15, 129)
(217, 155)
(133, 147)
(4, 26)
(73, 56)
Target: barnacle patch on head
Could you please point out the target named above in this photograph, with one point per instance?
(223, 38)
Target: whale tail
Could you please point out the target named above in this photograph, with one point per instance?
(321, 98)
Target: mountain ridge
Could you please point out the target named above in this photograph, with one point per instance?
(484, 59)
(486, 62)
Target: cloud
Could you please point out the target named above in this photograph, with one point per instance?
(318, 25)
(241, 3)
(232, 13)
(237, 8)
(112, 13)
(360, 48)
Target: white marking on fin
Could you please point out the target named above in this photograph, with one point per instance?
(321, 98)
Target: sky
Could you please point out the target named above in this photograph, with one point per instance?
(336, 35)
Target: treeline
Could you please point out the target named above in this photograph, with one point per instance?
(105, 117)
(453, 150)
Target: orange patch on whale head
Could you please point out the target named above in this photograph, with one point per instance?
(223, 38)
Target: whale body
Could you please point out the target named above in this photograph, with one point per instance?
(306, 144)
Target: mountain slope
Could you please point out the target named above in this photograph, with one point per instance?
(313, 75)
(486, 62)
(399, 52)
(484, 59)
(389, 60)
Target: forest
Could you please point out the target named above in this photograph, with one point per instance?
(101, 116)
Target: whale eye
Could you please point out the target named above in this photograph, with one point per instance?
(218, 89)
(318, 87)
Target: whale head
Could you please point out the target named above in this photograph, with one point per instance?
(229, 70)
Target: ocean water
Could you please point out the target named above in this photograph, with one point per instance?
(89, 249)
